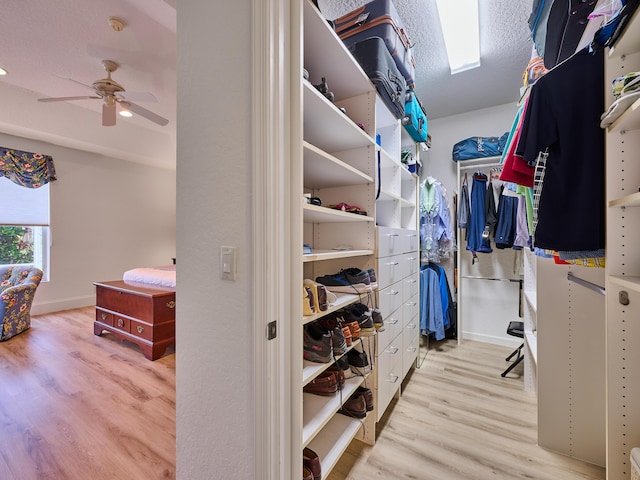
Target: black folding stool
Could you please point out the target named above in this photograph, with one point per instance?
(515, 329)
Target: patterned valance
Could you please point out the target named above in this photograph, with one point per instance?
(31, 170)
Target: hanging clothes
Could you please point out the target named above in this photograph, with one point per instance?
(435, 222)
(563, 116)
(432, 316)
(478, 219)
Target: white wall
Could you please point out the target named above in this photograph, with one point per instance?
(487, 306)
(214, 367)
(107, 216)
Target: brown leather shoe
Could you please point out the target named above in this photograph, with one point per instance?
(368, 396)
(354, 328)
(356, 406)
(311, 461)
(327, 385)
(338, 372)
(306, 474)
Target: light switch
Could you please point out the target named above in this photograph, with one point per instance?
(228, 263)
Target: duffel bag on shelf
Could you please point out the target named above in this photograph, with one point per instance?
(376, 61)
(415, 120)
(479, 147)
(379, 18)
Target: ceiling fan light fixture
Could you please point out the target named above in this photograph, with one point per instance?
(124, 109)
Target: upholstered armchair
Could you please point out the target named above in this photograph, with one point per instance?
(18, 285)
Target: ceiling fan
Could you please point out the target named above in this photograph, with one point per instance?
(112, 93)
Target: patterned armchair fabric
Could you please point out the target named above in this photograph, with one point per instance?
(18, 285)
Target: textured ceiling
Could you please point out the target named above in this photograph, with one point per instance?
(44, 40)
(505, 49)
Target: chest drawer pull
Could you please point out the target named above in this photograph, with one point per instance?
(392, 321)
(411, 349)
(393, 350)
(393, 378)
(411, 326)
(392, 292)
(411, 304)
(104, 316)
(120, 323)
(392, 264)
(392, 235)
(171, 304)
(140, 329)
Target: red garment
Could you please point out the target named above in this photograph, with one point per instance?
(514, 168)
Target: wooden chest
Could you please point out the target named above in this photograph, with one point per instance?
(140, 313)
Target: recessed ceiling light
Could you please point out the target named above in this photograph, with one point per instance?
(3, 71)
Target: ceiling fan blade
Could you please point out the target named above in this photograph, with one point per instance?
(74, 81)
(143, 112)
(139, 97)
(108, 114)
(64, 99)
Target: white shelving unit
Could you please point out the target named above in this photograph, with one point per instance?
(530, 322)
(623, 263)
(339, 164)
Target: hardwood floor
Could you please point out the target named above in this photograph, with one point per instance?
(458, 419)
(76, 406)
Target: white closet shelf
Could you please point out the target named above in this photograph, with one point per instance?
(632, 200)
(318, 409)
(479, 162)
(316, 214)
(386, 160)
(532, 344)
(319, 255)
(311, 370)
(343, 300)
(322, 170)
(325, 54)
(334, 439)
(407, 175)
(407, 203)
(629, 120)
(626, 281)
(328, 128)
(388, 197)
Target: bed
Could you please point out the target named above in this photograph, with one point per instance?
(140, 308)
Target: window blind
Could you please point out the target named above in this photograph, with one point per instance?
(23, 206)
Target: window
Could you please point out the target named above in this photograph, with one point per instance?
(24, 225)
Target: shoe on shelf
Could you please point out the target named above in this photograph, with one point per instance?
(368, 396)
(355, 406)
(378, 322)
(355, 275)
(343, 365)
(360, 313)
(339, 283)
(337, 373)
(311, 461)
(321, 302)
(329, 322)
(358, 362)
(338, 341)
(307, 474)
(353, 327)
(372, 278)
(347, 336)
(316, 348)
(322, 385)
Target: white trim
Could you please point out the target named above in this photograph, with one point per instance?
(41, 308)
(272, 238)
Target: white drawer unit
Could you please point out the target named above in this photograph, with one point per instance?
(389, 375)
(390, 298)
(410, 241)
(410, 310)
(411, 286)
(390, 241)
(411, 344)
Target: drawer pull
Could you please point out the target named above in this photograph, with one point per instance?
(392, 264)
(392, 350)
(104, 316)
(393, 378)
(411, 304)
(411, 259)
(392, 321)
(411, 349)
(392, 235)
(120, 323)
(140, 329)
(411, 326)
(392, 292)
(412, 281)
(171, 304)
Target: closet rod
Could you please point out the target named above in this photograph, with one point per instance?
(585, 283)
(516, 280)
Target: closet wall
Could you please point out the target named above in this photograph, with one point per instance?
(490, 305)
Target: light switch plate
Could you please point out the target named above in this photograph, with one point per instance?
(228, 263)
